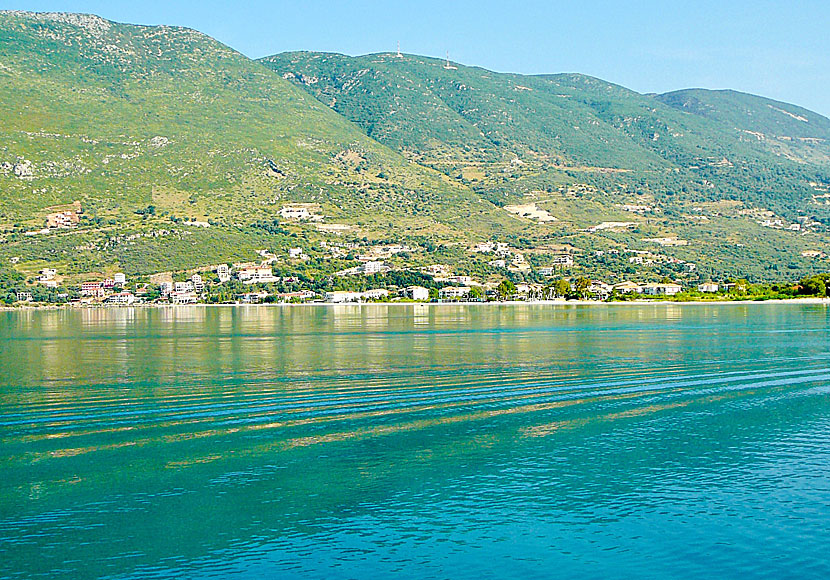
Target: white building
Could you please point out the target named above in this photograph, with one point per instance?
(165, 288)
(462, 280)
(198, 283)
(223, 272)
(502, 250)
(339, 297)
(295, 253)
(47, 278)
(708, 287)
(24, 296)
(484, 247)
(417, 293)
(599, 289)
(498, 264)
(628, 288)
(373, 268)
(375, 294)
(453, 292)
(564, 261)
(186, 286)
(253, 297)
(295, 213)
(122, 298)
(658, 289)
(183, 297)
(119, 278)
(256, 274)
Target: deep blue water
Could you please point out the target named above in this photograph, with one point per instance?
(654, 441)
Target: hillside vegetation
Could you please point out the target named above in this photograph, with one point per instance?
(692, 146)
(123, 118)
(181, 153)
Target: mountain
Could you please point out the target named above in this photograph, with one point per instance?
(702, 145)
(787, 130)
(181, 153)
(123, 118)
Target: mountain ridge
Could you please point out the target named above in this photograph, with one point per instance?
(153, 127)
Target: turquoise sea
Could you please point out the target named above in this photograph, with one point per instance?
(535, 441)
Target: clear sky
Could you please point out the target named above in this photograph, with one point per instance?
(772, 48)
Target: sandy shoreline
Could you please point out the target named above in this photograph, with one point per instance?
(794, 301)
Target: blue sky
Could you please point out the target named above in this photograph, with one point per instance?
(772, 48)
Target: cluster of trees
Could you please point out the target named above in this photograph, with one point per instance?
(817, 285)
(12, 282)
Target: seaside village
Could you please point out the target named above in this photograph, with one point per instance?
(256, 282)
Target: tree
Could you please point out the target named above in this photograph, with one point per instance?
(581, 286)
(506, 289)
(476, 293)
(562, 287)
(814, 286)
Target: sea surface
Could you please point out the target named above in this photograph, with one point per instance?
(416, 441)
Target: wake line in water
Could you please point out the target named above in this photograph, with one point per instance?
(63, 413)
(390, 404)
(489, 407)
(390, 397)
(316, 392)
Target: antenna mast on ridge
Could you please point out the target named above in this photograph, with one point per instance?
(448, 66)
(399, 55)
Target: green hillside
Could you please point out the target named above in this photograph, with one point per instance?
(781, 128)
(182, 153)
(122, 118)
(453, 118)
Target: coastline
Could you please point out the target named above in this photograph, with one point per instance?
(795, 301)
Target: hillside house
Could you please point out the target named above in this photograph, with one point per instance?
(223, 272)
(295, 213)
(296, 254)
(454, 292)
(62, 220)
(339, 297)
(417, 293)
(660, 289)
(93, 289)
(628, 288)
(373, 268)
(256, 275)
(184, 297)
(120, 298)
(563, 261)
(47, 278)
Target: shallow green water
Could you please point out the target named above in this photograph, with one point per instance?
(448, 441)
